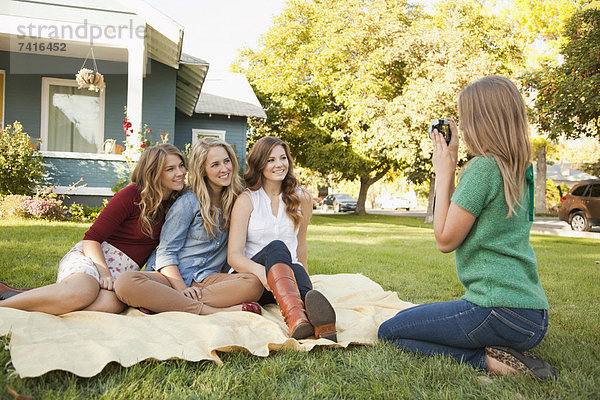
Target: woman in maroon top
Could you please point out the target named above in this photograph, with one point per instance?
(121, 239)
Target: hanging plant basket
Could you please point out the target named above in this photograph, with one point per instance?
(86, 78)
(91, 79)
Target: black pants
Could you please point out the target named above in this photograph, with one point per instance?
(277, 252)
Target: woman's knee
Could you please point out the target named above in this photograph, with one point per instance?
(391, 329)
(107, 302)
(253, 285)
(77, 296)
(383, 333)
(126, 282)
(277, 247)
(276, 244)
(256, 287)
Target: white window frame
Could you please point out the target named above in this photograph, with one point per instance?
(207, 132)
(46, 82)
(3, 73)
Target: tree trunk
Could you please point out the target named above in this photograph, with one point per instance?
(430, 201)
(365, 184)
(540, 181)
(362, 196)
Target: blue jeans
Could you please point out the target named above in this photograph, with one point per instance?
(462, 330)
(277, 252)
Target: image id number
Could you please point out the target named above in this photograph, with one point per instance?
(36, 47)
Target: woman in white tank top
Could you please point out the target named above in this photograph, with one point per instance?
(267, 238)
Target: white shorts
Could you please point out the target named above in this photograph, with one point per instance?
(76, 262)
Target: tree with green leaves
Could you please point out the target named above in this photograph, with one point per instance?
(326, 73)
(568, 99)
(353, 84)
(459, 43)
(544, 22)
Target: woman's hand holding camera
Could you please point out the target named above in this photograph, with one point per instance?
(445, 156)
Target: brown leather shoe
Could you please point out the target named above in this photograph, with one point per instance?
(321, 315)
(252, 307)
(283, 284)
(8, 291)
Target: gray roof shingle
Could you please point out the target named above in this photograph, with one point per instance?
(229, 94)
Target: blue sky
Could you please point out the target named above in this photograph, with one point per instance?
(216, 29)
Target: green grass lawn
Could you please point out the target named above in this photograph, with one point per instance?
(398, 253)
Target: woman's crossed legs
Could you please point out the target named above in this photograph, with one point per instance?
(220, 292)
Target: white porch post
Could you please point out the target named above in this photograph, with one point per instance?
(135, 90)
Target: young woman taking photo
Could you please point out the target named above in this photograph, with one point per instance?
(121, 239)
(186, 274)
(268, 239)
(487, 220)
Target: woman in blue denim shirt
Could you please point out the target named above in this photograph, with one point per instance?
(487, 220)
(186, 274)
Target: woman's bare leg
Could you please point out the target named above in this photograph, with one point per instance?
(75, 292)
(106, 301)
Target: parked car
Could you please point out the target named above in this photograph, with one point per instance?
(581, 206)
(406, 201)
(339, 202)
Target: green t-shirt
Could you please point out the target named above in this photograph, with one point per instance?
(495, 263)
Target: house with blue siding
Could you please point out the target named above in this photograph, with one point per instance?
(225, 104)
(138, 50)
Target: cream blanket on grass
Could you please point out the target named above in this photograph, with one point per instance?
(83, 342)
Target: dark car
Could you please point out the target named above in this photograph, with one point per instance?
(339, 202)
(581, 206)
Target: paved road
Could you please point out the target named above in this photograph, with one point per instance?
(543, 225)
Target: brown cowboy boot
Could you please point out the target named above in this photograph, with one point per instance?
(321, 315)
(283, 284)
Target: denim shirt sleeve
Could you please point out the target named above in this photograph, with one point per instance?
(174, 232)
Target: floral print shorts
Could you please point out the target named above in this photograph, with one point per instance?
(76, 262)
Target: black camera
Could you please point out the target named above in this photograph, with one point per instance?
(442, 126)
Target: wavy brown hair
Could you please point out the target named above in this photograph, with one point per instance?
(257, 161)
(199, 185)
(147, 176)
(493, 120)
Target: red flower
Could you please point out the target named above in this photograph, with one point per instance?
(143, 145)
(124, 120)
(149, 130)
(131, 130)
(128, 124)
(127, 135)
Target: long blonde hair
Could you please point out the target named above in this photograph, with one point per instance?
(493, 121)
(199, 185)
(147, 176)
(257, 161)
